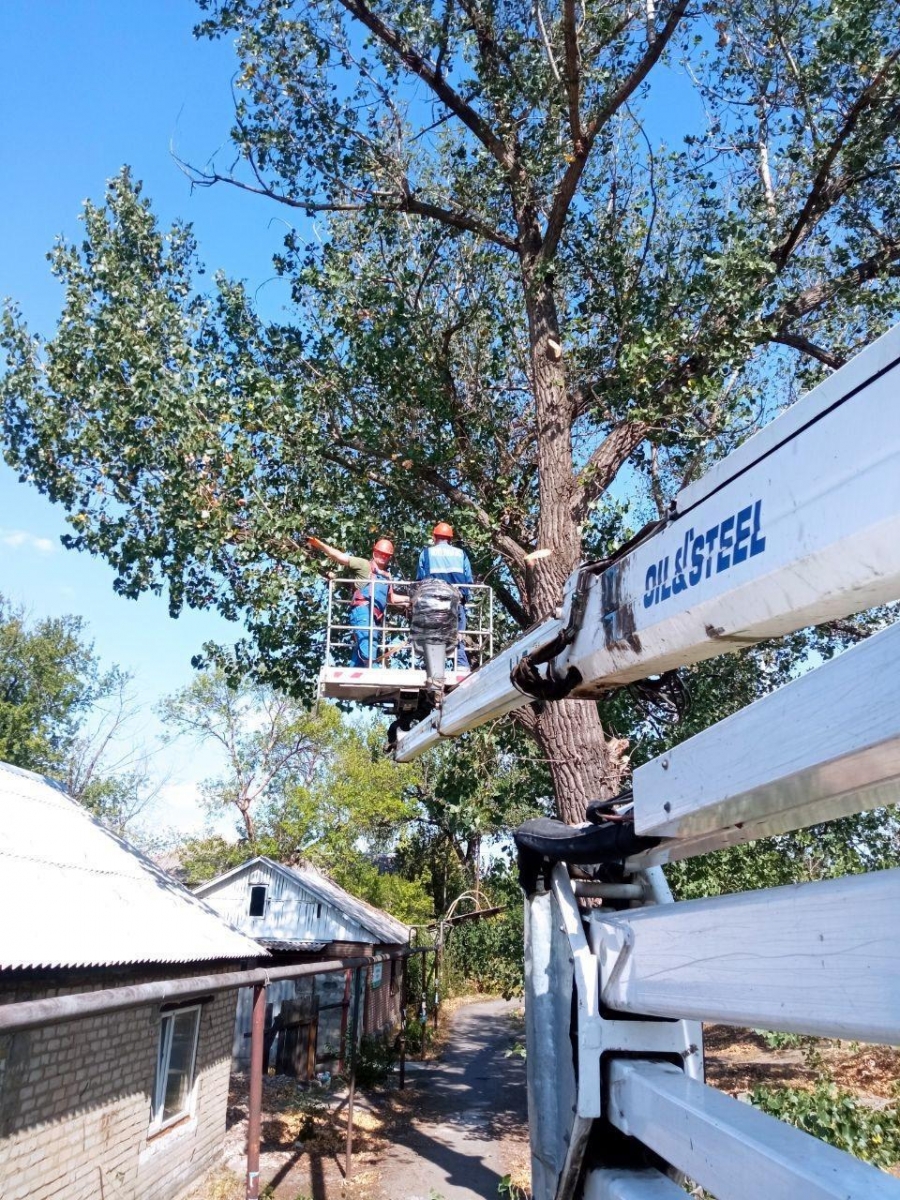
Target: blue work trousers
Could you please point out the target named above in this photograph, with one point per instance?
(462, 659)
(365, 646)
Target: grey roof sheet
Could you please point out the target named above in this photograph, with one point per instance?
(75, 895)
(291, 944)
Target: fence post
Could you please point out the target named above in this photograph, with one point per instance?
(255, 1101)
(354, 1033)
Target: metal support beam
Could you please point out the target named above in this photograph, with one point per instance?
(354, 1048)
(730, 1148)
(824, 746)
(820, 958)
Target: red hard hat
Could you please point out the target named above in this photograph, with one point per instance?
(442, 529)
(383, 546)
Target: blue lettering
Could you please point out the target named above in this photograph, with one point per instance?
(665, 591)
(741, 535)
(696, 562)
(678, 581)
(723, 562)
(649, 585)
(711, 538)
(757, 543)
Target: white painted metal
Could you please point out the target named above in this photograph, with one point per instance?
(820, 958)
(366, 683)
(822, 747)
(800, 526)
(550, 1066)
(387, 677)
(616, 1184)
(563, 1101)
(485, 695)
(730, 1148)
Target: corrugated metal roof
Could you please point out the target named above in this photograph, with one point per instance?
(285, 944)
(75, 895)
(382, 926)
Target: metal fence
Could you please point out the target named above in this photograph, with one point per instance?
(387, 638)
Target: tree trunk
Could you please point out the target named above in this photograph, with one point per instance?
(244, 810)
(583, 764)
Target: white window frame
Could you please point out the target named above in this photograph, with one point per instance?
(163, 1055)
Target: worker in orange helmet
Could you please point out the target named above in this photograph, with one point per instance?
(371, 596)
(441, 560)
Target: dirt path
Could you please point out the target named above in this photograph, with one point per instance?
(457, 1128)
(468, 1121)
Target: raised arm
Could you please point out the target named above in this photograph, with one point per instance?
(339, 556)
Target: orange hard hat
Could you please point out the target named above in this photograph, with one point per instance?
(442, 529)
(383, 546)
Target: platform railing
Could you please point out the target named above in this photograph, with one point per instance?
(387, 640)
(619, 976)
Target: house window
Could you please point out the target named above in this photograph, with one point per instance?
(318, 912)
(175, 1064)
(258, 900)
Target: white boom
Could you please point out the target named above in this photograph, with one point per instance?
(801, 524)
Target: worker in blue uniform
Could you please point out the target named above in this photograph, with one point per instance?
(441, 560)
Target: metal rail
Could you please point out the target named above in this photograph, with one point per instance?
(389, 636)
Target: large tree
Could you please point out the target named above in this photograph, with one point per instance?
(555, 240)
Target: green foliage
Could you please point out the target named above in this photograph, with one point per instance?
(781, 1041)
(376, 1058)
(487, 955)
(837, 1118)
(481, 199)
(49, 679)
(509, 1189)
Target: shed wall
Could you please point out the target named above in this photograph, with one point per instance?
(291, 910)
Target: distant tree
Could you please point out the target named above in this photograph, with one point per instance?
(270, 743)
(64, 716)
(49, 679)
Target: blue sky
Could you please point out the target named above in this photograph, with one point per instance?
(88, 85)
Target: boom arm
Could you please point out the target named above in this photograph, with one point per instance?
(800, 524)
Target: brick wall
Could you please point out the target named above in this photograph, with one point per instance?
(75, 1102)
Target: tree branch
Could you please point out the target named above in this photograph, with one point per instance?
(604, 464)
(814, 297)
(511, 604)
(409, 203)
(414, 62)
(820, 195)
(573, 72)
(805, 346)
(572, 176)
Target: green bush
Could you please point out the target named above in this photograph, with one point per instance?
(487, 955)
(837, 1118)
(375, 1059)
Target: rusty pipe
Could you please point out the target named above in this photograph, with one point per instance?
(254, 1123)
(54, 1010)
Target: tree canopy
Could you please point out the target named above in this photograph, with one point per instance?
(563, 255)
(49, 679)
